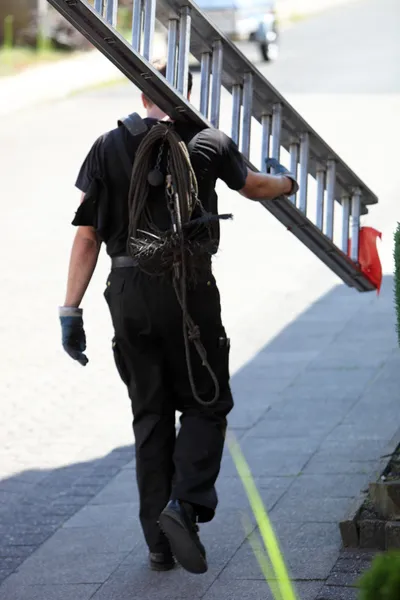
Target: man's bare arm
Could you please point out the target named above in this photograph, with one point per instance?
(84, 255)
(260, 186)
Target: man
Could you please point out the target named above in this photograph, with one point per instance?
(176, 475)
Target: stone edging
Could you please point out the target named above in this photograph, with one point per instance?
(371, 534)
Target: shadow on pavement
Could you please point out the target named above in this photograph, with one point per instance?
(34, 504)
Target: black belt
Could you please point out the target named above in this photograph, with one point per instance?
(118, 262)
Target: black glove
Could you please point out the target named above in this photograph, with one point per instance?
(272, 163)
(73, 334)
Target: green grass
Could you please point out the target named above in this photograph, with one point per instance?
(397, 278)
(16, 60)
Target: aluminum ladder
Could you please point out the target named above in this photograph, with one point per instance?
(253, 97)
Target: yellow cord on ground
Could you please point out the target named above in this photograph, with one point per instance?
(286, 589)
(262, 558)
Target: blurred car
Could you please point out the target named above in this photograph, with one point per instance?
(252, 20)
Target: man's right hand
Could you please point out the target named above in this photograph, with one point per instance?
(73, 333)
(278, 169)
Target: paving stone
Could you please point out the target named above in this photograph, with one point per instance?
(315, 535)
(373, 430)
(80, 540)
(303, 509)
(225, 535)
(42, 569)
(134, 579)
(299, 428)
(11, 551)
(330, 381)
(342, 579)
(105, 516)
(232, 495)
(318, 464)
(257, 590)
(72, 500)
(10, 562)
(247, 417)
(337, 593)
(353, 563)
(329, 485)
(4, 573)
(12, 590)
(306, 563)
(347, 355)
(360, 450)
(263, 463)
(122, 489)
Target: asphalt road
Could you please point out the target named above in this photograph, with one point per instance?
(340, 69)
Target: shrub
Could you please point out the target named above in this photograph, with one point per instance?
(382, 580)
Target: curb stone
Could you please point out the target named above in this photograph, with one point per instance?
(354, 534)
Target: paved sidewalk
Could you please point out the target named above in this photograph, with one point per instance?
(314, 409)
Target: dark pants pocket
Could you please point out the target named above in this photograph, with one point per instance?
(120, 363)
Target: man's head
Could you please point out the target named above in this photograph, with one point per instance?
(152, 110)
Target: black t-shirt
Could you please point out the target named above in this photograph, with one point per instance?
(213, 156)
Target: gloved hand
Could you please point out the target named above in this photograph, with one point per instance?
(73, 334)
(272, 163)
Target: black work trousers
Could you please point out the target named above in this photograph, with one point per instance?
(149, 353)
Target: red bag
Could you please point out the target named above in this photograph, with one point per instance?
(368, 256)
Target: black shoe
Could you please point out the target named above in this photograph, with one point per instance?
(161, 561)
(178, 522)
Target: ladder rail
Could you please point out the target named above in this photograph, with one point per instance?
(138, 70)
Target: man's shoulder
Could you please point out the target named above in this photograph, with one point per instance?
(214, 138)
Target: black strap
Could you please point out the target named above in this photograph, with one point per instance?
(135, 125)
(122, 152)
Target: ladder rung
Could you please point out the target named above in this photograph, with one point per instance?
(276, 131)
(330, 198)
(149, 25)
(184, 50)
(217, 58)
(345, 223)
(205, 83)
(266, 122)
(172, 48)
(294, 163)
(355, 224)
(247, 113)
(304, 159)
(112, 12)
(321, 182)
(236, 111)
(137, 24)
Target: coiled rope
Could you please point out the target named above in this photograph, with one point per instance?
(171, 249)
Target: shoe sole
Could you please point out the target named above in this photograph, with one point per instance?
(160, 567)
(183, 547)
